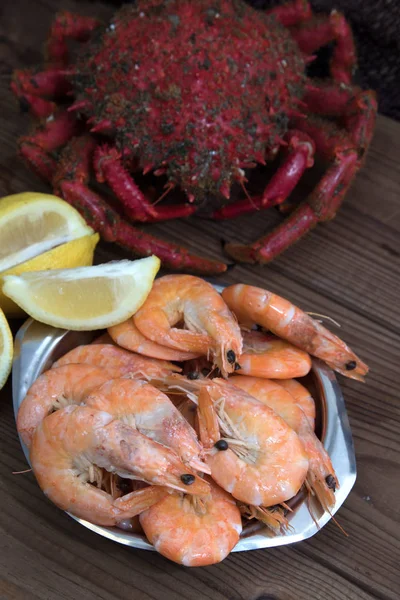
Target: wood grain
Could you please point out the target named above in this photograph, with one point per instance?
(348, 269)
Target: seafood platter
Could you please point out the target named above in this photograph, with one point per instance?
(171, 413)
(231, 469)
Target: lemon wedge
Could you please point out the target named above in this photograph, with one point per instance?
(32, 223)
(77, 253)
(85, 298)
(6, 349)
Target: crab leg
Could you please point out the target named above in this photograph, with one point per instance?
(38, 160)
(113, 229)
(328, 98)
(346, 153)
(30, 88)
(71, 182)
(360, 118)
(319, 31)
(355, 108)
(318, 207)
(48, 135)
(52, 83)
(67, 26)
(292, 13)
(299, 157)
(108, 167)
(38, 107)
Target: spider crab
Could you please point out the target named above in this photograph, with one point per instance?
(199, 93)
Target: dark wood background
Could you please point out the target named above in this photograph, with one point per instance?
(348, 269)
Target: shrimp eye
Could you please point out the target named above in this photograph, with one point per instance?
(192, 375)
(188, 479)
(125, 486)
(330, 482)
(221, 445)
(237, 367)
(351, 365)
(231, 356)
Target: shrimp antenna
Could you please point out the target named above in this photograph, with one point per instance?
(211, 372)
(169, 187)
(21, 472)
(249, 198)
(311, 511)
(314, 314)
(338, 524)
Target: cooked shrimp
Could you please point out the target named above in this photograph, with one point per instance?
(118, 361)
(260, 460)
(302, 398)
(284, 319)
(194, 532)
(152, 413)
(70, 447)
(65, 455)
(267, 356)
(211, 329)
(128, 336)
(55, 389)
(321, 478)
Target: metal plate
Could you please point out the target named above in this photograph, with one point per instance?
(37, 346)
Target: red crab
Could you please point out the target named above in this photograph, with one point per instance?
(199, 93)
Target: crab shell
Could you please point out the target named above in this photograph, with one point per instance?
(201, 88)
(199, 93)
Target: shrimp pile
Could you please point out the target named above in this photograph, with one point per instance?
(187, 421)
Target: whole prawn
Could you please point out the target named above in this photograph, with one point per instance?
(211, 329)
(152, 413)
(75, 375)
(253, 305)
(321, 477)
(71, 447)
(252, 452)
(194, 532)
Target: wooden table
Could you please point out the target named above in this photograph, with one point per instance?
(348, 269)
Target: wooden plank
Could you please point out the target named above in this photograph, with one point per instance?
(348, 269)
